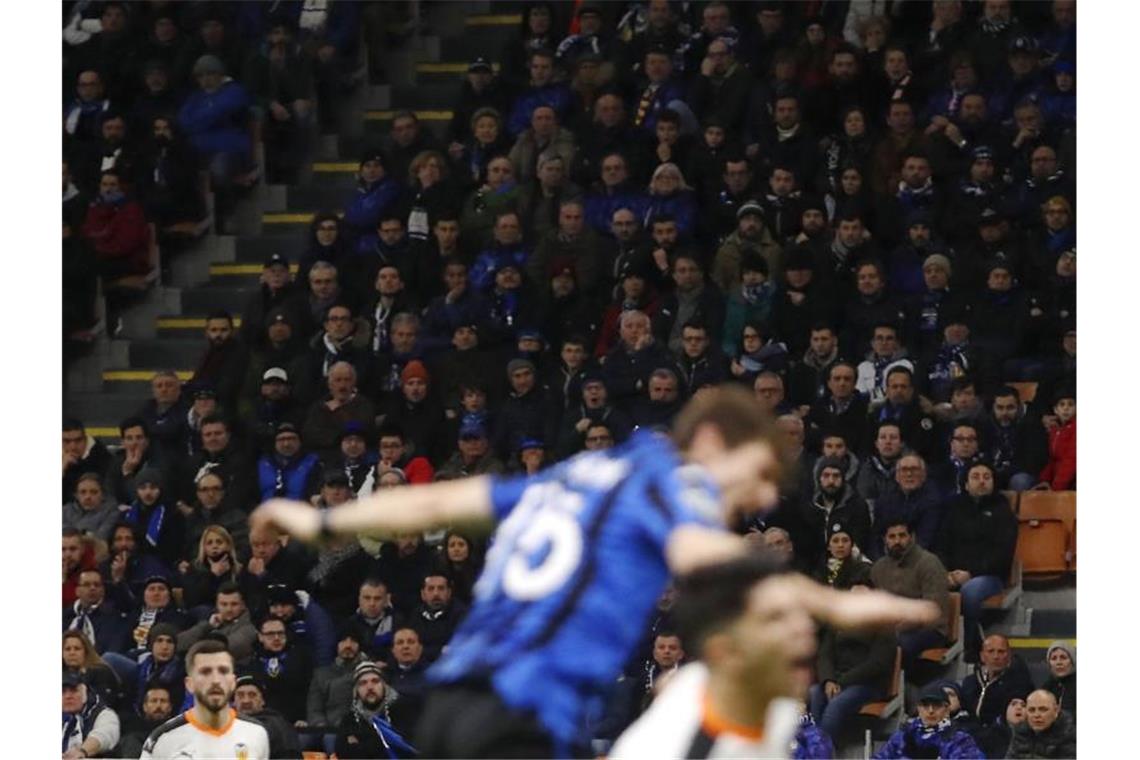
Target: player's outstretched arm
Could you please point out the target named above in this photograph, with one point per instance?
(870, 609)
(406, 508)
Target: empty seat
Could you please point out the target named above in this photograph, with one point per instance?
(1042, 547)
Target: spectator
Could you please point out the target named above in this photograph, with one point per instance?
(91, 511)
(377, 192)
(833, 500)
(853, 669)
(287, 471)
(215, 119)
(473, 455)
(540, 200)
(877, 471)
(528, 411)
(156, 708)
(345, 403)
(887, 352)
(418, 415)
(1060, 471)
(950, 474)
(164, 419)
(912, 499)
(480, 95)
(699, 359)
(756, 351)
(223, 455)
(83, 117)
(406, 140)
(90, 726)
(284, 667)
(222, 365)
(1062, 681)
(693, 300)
(931, 732)
(81, 659)
(976, 544)
(907, 569)
(116, 228)
(126, 569)
(670, 196)
(156, 606)
(571, 245)
(154, 514)
(165, 176)
(840, 568)
(842, 408)
(1048, 731)
(279, 78)
(1016, 443)
(437, 615)
(543, 136)
(998, 678)
(330, 692)
(662, 402)
(106, 628)
(367, 730)
(249, 699)
(215, 562)
(276, 294)
(807, 378)
(230, 618)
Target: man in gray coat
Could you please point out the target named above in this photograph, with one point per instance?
(330, 692)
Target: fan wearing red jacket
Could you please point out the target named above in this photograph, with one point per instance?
(1060, 472)
(117, 230)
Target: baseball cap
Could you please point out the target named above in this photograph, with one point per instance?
(275, 373)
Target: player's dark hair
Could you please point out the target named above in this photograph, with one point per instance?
(205, 646)
(710, 598)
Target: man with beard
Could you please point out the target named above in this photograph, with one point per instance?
(834, 501)
(908, 570)
(157, 707)
(1016, 444)
(330, 692)
(437, 615)
(367, 730)
(751, 234)
(211, 728)
(249, 700)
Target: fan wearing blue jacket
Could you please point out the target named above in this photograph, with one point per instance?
(931, 734)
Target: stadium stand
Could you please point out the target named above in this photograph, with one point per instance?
(316, 249)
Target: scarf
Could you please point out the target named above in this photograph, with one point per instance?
(395, 744)
(911, 198)
(380, 334)
(994, 26)
(332, 354)
(154, 522)
(76, 726)
(82, 621)
(1004, 444)
(816, 363)
(273, 665)
(783, 135)
(79, 109)
(753, 293)
(950, 363)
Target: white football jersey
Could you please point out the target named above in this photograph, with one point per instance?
(184, 738)
(675, 726)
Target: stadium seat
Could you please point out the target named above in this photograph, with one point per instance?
(1027, 391)
(894, 701)
(1042, 547)
(946, 655)
(1047, 506)
(308, 755)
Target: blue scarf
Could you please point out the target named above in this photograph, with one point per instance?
(153, 525)
(391, 739)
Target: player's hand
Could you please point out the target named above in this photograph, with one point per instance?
(296, 518)
(871, 609)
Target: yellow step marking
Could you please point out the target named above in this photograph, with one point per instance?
(144, 375)
(242, 269)
(287, 218)
(330, 167)
(1037, 643)
(187, 323)
(103, 432)
(421, 115)
(446, 68)
(498, 19)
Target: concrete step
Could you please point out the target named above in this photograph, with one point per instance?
(231, 297)
(450, 71)
(167, 352)
(125, 381)
(435, 96)
(380, 122)
(260, 247)
(330, 194)
(102, 412)
(185, 326)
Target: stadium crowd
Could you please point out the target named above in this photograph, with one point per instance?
(863, 211)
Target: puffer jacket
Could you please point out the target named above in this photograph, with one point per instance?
(916, 740)
(1059, 740)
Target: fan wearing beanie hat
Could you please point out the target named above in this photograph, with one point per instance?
(1061, 657)
(379, 720)
(933, 733)
(375, 194)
